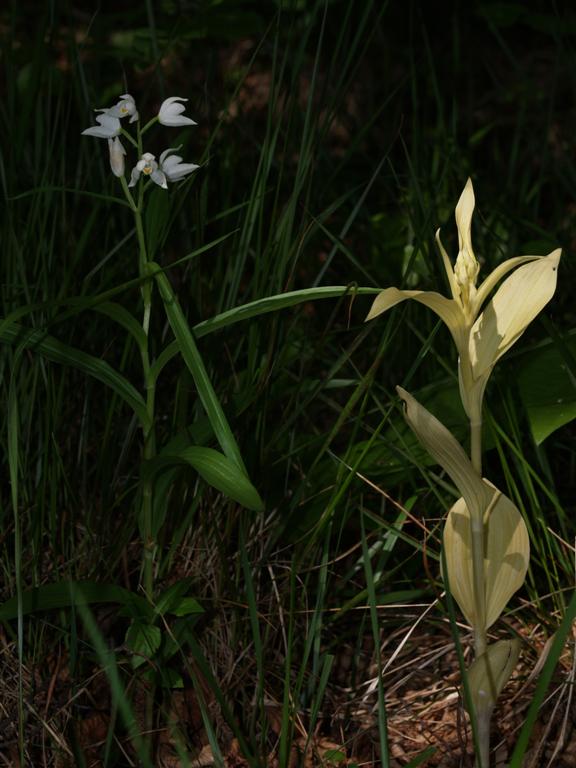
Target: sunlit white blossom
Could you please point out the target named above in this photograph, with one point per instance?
(108, 127)
(171, 112)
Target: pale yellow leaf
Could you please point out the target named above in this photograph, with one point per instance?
(506, 556)
(447, 451)
(490, 672)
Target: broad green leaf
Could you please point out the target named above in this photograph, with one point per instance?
(506, 557)
(66, 594)
(186, 607)
(547, 388)
(174, 598)
(216, 469)
(144, 641)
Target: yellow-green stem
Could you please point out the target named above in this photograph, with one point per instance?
(476, 445)
(478, 543)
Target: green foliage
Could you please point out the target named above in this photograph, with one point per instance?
(333, 139)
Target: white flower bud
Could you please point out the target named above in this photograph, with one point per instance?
(117, 153)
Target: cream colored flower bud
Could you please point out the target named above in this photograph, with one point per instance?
(117, 154)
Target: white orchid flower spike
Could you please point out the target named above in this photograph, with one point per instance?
(171, 112)
(481, 337)
(108, 127)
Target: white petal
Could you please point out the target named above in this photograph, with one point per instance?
(108, 128)
(179, 171)
(464, 211)
(448, 268)
(488, 285)
(134, 176)
(171, 112)
(98, 131)
(170, 162)
(167, 152)
(126, 106)
(159, 178)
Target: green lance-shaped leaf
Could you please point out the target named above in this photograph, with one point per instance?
(216, 469)
(489, 674)
(195, 364)
(506, 556)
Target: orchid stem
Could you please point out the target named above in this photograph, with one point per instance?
(149, 436)
(477, 537)
(476, 444)
(148, 430)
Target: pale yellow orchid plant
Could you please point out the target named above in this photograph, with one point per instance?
(486, 544)
(481, 336)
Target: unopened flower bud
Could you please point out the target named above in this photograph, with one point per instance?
(117, 153)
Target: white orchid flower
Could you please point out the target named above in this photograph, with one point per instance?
(108, 128)
(126, 106)
(173, 167)
(168, 169)
(171, 112)
(481, 337)
(117, 153)
(149, 167)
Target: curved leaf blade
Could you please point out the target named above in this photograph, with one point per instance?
(57, 352)
(505, 560)
(217, 470)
